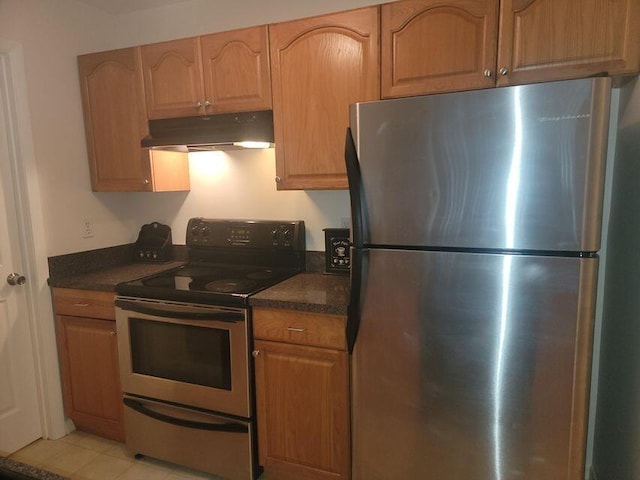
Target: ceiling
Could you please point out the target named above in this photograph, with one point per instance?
(128, 6)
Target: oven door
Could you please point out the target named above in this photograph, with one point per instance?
(195, 355)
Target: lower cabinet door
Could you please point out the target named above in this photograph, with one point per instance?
(91, 383)
(303, 411)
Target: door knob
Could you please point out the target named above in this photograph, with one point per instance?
(16, 279)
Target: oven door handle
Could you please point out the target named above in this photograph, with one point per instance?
(230, 317)
(216, 427)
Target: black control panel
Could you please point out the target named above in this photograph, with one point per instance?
(249, 234)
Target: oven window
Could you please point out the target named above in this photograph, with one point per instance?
(186, 353)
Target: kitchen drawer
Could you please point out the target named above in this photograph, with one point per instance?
(84, 303)
(302, 328)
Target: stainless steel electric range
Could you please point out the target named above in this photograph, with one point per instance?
(184, 341)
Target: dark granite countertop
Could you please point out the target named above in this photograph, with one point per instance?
(102, 269)
(310, 292)
(107, 278)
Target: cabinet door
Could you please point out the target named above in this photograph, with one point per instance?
(542, 40)
(115, 120)
(173, 78)
(91, 384)
(236, 70)
(303, 411)
(432, 46)
(319, 66)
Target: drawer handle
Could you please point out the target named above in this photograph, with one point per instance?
(80, 304)
(293, 329)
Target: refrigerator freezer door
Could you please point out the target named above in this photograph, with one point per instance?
(508, 168)
(472, 366)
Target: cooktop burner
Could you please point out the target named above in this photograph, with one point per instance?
(228, 261)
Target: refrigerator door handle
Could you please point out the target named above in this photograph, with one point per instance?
(358, 272)
(354, 177)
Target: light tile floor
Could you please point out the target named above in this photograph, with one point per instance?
(81, 456)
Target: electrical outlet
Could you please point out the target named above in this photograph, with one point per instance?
(345, 222)
(87, 229)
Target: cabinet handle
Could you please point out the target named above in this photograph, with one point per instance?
(255, 353)
(504, 71)
(487, 73)
(278, 179)
(80, 304)
(294, 329)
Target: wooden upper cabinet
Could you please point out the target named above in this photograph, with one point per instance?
(236, 70)
(221, 72)
(173, 78)
(543, 40)
(320, 66)
(434, 46)
(115, 120)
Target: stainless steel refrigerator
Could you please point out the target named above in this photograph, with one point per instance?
(476, 224)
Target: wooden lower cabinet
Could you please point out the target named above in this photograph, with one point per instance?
(88, 353)
(302, 407)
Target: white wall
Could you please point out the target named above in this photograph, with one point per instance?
(53, 33)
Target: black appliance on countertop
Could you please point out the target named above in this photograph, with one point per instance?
(184, 338)
(154, 243)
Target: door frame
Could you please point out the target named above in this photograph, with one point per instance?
(31, 235)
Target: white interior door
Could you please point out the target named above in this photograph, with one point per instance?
(19, 410)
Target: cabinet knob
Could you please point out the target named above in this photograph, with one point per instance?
(113, 334)
(198, 105)
(504, 71)
(255, 353)
(146, 181)
(278, 179)
(207, 103)
(487, 73)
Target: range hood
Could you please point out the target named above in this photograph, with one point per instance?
(225, 131)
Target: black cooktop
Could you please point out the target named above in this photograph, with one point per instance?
(229, 260)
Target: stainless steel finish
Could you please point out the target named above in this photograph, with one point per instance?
(293, 329)
(617, 426)
(225, 454)
(235, 401)
(146, 181)
(504, 71)
(278, 179)
(472, 366)
(510, 168)
(80, 304)
(487, 73)
(255, 353)
(14, 279)
(198, 105)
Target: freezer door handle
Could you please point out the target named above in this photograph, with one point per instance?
(354, 177)
(218, 427)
